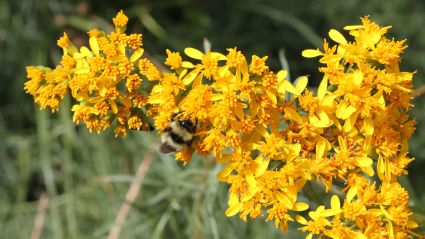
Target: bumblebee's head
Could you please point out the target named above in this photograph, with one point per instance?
(188, 125)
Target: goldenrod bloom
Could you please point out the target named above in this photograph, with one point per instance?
(354, 127)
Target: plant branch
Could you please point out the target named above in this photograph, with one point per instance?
(43, 203)
(132, 193)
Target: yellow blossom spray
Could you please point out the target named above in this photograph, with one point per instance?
(350, 135)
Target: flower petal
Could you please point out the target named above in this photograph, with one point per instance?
(193, 53)
(136, 55)
(310, 53)
(330, 212)
(219, 56)
(320, 147)
(186, 64)
(352, 192)
(233, 209)
(290, 88)
(301, 220)
(337, 37)
(301, 83)
(323, 87)
(281, 75)
(293, 114)
(94, 45)
(353, 27)
(335, 203)
(364, 161)
(263, 164)
(345, 110)
(300, 206)
(368, 126)
(190, 77)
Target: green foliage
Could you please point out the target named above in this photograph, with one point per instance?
(87, 175)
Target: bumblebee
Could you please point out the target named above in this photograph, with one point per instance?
(177, 135)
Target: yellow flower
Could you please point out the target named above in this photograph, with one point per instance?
(165, 101)
(246, 125)
(277, 149)
(269, 81)
(134, 122)
(174, 60)
(120, 130)
(208, 67)
(48, 87)
(66, 45)
(125, 67)
(258, 65)
(368, 34)
(279, 212)
(117, 38)
(120, 21)
(36, 77)
(147, 68)
(210, 64)
(233, 139)
(237, 60)
(133, 82)
(185, 155)
(134, 41)
(197, 104)
(214, 142)
(64, 41)
(227, 104)
(94, 32)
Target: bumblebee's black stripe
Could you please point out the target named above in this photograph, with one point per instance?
(177, 138)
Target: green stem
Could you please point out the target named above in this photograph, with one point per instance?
(49, 180)
(67, 137)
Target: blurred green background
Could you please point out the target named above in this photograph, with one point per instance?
(86, 176)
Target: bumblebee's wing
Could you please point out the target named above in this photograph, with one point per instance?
(166, 148)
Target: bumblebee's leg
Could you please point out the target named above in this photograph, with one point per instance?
(173, 116)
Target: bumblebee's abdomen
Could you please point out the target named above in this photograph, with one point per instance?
(175, 137)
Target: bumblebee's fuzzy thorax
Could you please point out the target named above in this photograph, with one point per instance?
(177, 135)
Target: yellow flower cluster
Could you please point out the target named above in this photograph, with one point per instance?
(351, 135)
(105, 80)
(361, 110)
